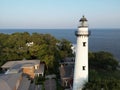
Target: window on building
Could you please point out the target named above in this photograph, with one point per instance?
(84, 44)
(83, 67)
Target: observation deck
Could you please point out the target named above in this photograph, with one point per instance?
(82, 33)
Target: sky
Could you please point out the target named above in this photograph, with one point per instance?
(59, 14)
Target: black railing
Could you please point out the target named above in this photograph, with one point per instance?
(82, 33)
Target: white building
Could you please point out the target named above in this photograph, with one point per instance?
(81, 59)
(29, 44)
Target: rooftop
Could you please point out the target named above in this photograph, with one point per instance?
(66, 71)
(25, 83)
(19, 64)
(41, 69)
(83, 19)
(8, 81)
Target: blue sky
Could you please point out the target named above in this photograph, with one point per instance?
(59, 13)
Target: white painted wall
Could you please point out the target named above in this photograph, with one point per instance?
(81, 59)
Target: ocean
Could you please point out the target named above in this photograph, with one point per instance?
(99, 40)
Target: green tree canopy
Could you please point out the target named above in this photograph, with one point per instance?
(18, 46)
(103, 73)
(102, 60)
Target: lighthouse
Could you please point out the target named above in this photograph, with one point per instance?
(81, 58)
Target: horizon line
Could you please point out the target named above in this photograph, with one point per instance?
(58, 28)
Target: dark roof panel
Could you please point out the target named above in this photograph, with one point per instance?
(83, 19)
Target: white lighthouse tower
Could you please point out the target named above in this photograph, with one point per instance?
(81, 59)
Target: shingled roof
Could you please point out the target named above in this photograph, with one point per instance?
(8, 82)
(18, 64)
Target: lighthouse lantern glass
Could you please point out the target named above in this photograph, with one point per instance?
(83, 23)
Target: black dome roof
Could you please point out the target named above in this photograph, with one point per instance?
(83, 19)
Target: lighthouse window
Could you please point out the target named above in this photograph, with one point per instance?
(84, 44)
(83, 67)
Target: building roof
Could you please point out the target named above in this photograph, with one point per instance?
(27, 65)
(4, 85)
(66, 71)
(19, 64)
(83, 19)
(16, 66)
(13, 71)
(8, 81)
(41, 69)
(25, 83)
(8, 64)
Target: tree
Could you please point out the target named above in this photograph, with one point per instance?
(64, 47)
(102, 60)
(44, 47)
(103, 73)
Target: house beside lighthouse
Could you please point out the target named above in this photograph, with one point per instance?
(81, 58)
